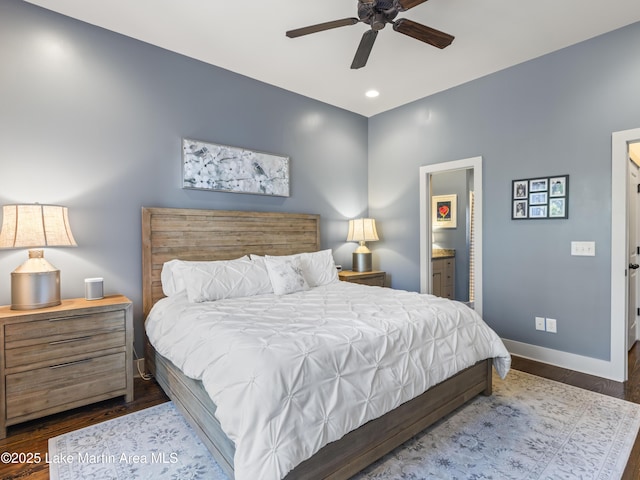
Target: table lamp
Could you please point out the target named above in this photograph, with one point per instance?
(35, 283)
(362, 230)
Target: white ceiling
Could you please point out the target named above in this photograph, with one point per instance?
(248, 37)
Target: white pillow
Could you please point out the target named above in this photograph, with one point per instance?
(226, 279)
(318, 268)
(172, 274)
(286, 274)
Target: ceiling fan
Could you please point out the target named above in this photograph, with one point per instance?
(377, 13)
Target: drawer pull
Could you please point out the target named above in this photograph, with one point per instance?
(68, 364)
(60, 319)
(70, 340)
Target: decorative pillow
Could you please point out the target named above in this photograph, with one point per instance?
(172, 274)
(318, 268)
(286, 274)
(226, 279)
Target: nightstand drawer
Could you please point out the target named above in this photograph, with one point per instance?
(62, 328)
(377, 281)
(52, 352)
(51, 389)
(375, 278)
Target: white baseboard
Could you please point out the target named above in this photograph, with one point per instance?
(579, 363)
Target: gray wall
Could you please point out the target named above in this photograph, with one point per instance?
(93, 120)
(552, 115)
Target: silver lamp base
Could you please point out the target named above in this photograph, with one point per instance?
(35, 290)
(35, 284)
(361, 262)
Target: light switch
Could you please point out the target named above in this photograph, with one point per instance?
(584, 249)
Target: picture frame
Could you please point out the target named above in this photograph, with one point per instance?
(558, 187)
(537, 211)
(520, 189)
(520, 209)
(538, 184)
(444, 210)
(557, 207)
(223, 168)
(540, 198)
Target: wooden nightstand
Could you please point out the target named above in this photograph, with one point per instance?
(58, 358)
(375, 277)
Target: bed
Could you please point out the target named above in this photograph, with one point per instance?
(213, 235)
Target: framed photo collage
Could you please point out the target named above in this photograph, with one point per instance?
(540, 198)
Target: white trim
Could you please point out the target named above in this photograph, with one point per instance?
(425, 231)
(619, 165)
(425, 221)
(579, 363)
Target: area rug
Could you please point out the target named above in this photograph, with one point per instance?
(530, 428)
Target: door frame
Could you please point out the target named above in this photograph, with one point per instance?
(474, 163)
(619, 169)
(633, 172)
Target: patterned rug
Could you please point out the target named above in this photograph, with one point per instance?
(530, 428)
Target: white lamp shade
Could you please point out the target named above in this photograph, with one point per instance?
(362, 230)
(35, 283)
(35, 226)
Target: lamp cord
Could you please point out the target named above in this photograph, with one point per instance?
(143, 375)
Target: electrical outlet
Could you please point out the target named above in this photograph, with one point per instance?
(540, 323)
(552, 326)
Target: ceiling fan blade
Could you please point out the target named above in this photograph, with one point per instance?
(298, 32)
(364, 49)
(407, 4)
(423, 33)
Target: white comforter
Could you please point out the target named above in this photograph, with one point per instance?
(291, 373)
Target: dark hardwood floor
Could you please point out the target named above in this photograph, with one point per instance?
(32, 437)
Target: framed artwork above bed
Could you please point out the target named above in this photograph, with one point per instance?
(222, 168)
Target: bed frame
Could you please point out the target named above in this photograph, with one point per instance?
(188, 234)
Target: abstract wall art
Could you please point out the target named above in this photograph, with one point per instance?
(222, 168)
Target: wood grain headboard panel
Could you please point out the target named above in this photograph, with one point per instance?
(189, 234)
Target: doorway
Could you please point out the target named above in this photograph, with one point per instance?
(471, 170)
(617, 368)
(632, 243)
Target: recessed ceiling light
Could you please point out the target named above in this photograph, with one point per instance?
(372, 93)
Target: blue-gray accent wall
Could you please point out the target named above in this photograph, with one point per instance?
(553, 115)
(94, 120)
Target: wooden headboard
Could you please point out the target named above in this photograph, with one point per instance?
(188, 234)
